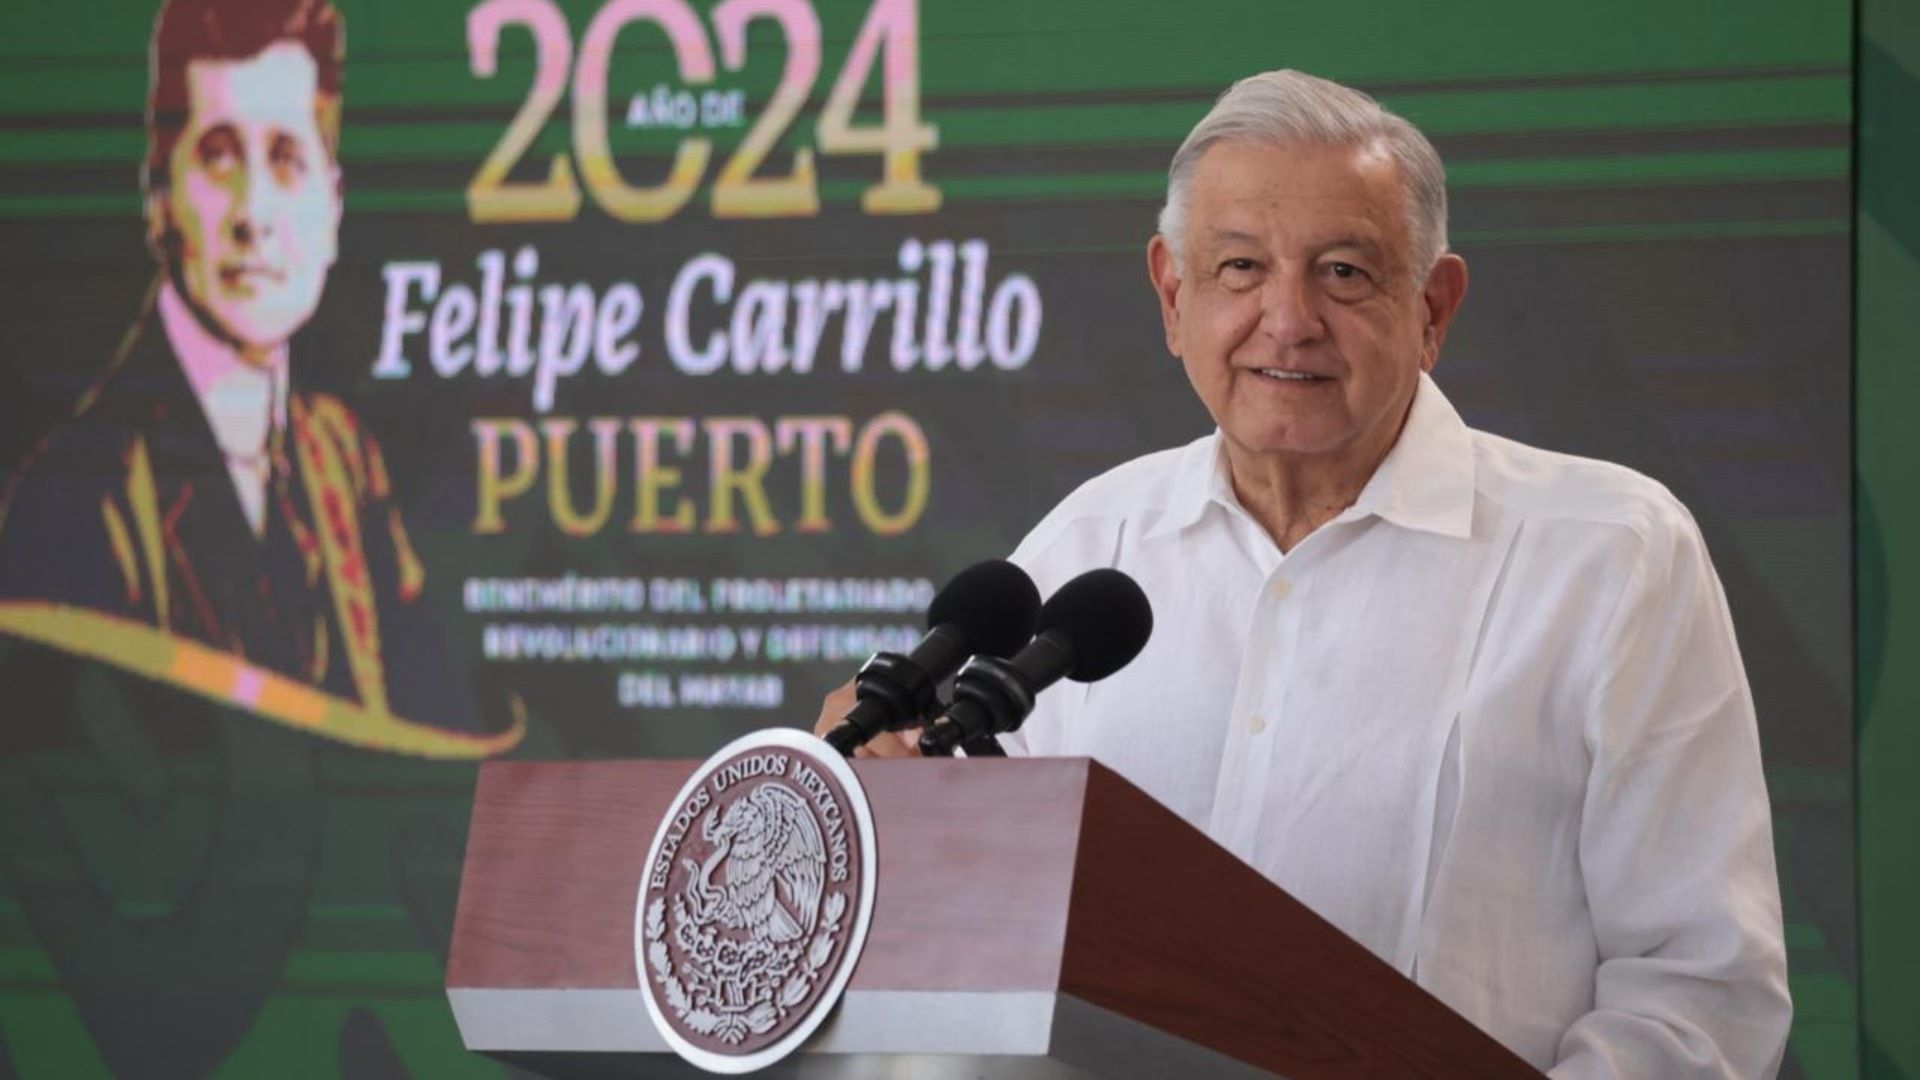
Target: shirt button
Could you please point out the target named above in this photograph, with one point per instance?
(1280, 589)
(1256, 724)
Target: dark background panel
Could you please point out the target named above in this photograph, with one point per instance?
(1653, 198)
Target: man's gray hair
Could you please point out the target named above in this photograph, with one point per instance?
(1294, 107)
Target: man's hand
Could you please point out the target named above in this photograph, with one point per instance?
(886, 745)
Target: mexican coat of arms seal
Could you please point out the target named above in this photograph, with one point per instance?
(754, 900)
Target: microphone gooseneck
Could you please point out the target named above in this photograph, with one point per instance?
(989, 608)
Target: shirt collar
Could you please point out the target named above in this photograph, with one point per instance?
(1200, 481)
(242, 402)
(1425, 483)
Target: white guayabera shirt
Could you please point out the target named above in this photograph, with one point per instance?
(1490, 721)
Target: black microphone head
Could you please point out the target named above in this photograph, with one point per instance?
(1105, 617)
(994, 603)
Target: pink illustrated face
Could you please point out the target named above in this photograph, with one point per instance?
(254, 196)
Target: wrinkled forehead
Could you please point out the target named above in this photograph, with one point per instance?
(274, 89)
(1244, 171)
(1299, 188)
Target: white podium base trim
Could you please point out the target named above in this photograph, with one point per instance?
(923, 1035)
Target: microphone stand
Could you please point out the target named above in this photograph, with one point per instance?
(983, 746)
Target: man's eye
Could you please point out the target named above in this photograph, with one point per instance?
(287, 158)
(1345, 281)
(1241, 266)
(218, 151)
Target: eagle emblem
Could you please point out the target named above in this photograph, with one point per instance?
(771, 864)
(758, 887)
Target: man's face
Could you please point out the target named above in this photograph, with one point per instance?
(1295, 308)
(254, 196)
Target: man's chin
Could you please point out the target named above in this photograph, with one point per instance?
(253, 333)
(1294, 442)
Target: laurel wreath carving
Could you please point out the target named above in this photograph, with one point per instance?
(818, 953)
(724, 989)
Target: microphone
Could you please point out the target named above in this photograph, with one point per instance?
(1094, 626)
(990, 607)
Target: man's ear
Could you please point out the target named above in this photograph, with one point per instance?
(159, 227)
(337, 206)
(1164, 271)
(1446, 286)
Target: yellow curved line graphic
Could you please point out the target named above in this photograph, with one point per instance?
(221, 676)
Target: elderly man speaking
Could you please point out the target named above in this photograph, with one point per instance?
(1478, 704)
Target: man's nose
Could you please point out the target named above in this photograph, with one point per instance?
(1290, 310)
(253, 211)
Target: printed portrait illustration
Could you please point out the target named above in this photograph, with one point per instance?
(201, 519)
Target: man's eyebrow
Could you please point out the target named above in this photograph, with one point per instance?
(1366, 244)
(217, 129)
(1219, 237)
(1232, 236)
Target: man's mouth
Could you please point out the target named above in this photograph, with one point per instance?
(1291, 376)
(248, 275)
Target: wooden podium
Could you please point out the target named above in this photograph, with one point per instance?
(1033, 918)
